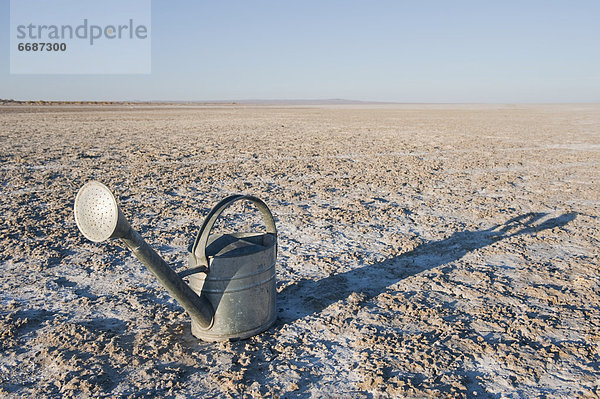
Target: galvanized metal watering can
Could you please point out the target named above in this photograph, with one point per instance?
(231, 291)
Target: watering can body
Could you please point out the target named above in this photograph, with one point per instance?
(240, 285)
(236, 273)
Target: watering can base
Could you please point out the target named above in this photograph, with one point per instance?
(205, 335)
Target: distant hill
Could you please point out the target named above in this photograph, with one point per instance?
(332, 101)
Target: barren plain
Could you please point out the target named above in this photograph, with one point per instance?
(424, 250)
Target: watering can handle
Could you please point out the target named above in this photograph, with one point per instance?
(198, 250)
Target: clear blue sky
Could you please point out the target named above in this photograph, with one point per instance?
(407, 51)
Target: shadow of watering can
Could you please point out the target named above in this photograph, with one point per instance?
(231, 291)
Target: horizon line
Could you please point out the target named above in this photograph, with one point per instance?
(291, 101)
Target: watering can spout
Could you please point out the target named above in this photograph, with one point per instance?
(99, 218)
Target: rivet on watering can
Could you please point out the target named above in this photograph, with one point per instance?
(231, 294)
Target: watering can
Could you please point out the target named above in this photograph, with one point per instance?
(231, 291)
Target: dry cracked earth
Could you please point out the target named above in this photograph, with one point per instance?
(424, 251)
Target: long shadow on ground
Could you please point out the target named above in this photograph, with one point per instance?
(307, 297)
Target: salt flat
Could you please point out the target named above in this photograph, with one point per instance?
(442, 250)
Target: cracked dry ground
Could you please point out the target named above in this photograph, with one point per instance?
(423, 250)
